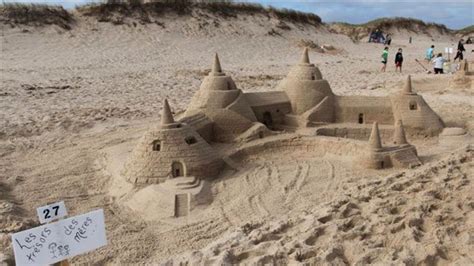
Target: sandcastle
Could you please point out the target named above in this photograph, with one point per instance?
(178, 155)
(463, 77)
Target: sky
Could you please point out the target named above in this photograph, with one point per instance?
(455, 14)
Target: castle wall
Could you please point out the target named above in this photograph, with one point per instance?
(348, 109)
(275, 111)
(352, 131)
(274, 104)
(288, 143)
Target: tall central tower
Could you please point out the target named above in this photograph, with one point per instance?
(306, 88)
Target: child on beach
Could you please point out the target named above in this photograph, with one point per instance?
(384, 58)
(429, 53)
(398, 60)
(438, 63)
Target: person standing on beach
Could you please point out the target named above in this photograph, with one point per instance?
(438, 64)
(384, 58)
(388, 39)
(429, 53)
(460, 51)
(398, 60)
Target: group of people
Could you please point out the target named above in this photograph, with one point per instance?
(377, 37)
(398, 59)
(437, 61)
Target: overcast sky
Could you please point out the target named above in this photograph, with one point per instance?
(453, 13)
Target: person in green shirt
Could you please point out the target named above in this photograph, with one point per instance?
(384, 58)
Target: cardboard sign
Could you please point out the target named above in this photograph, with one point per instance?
(50, 243)
(51, 212)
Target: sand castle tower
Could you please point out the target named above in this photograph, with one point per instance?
(169, 151)
(220, 100)
(399, 137)
(375, 144)
(462, 79)
(307, 89)
(374, 156)
(415, 113)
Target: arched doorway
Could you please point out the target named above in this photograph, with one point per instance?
(361, 118)
(177, 169)
(268, 120)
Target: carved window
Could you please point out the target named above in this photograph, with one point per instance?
(413, 105)
(361, 118)
(156, 145)
(190, 140)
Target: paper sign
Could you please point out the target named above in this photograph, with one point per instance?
(54, 242)
(51, 212)
(446, 49)
(451, 50)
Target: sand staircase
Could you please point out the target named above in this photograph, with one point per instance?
(406, 158)
(181, 205)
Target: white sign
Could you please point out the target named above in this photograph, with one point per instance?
(51, 212)
(54, 242)
(451, 50)
(448, 50)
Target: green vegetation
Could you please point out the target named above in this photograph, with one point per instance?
(467, 30)
(35, 15)
(108, 11)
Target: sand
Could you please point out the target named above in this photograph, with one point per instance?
(67, 98)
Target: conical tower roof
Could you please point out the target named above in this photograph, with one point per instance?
(305, 57)
(167, 120)
(375, 143)
(216, 67)
(399, 137)
(408, 88)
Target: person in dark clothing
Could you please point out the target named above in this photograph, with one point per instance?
(398, 60)
(460, 51)
(388, 39)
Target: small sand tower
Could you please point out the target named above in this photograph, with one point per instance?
(415, 113)
(399, 137)
(307, 89)
(401, 155)
(374, 157)
(169, 151)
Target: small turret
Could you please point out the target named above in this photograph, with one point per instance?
(167, 120)
(305, 57)
(399, 137)
(375, 144)
(413, 110)
(216, 68)
(408, 88)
